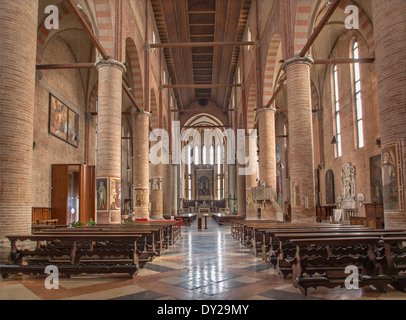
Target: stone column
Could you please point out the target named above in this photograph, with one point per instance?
(141, 164)
(232, 183)
(174, 186)
(251, 177)
(109, 115)
(241, 194)
(156, 191)
(389, 19)
(168, 189)
(18, 42)
(301, 156)
(267, 154)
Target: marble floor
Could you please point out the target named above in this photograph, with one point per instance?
(202, 265)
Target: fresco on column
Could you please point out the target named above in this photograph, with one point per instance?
(376, 179)
(279, 191)
(392, 178)
(115, 194)
(102, 189)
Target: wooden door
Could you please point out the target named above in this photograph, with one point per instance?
(87, 193)
(59, 194)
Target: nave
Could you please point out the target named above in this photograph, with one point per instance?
(202, 265)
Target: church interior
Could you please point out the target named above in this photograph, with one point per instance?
(203, 149)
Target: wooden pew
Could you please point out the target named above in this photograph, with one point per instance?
(281, 258)
(74, 254)
(392, 260)
(321, 262)
(226, 219)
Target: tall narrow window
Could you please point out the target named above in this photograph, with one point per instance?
(189, 162)
(358, 97)
(204, 156)
(337, 111)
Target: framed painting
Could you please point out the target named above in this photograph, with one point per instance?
(102, 189)
(58, 118)
(73, 128)
(63, 121)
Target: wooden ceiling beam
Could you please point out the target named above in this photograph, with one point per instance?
(203, 44)
(203, 86)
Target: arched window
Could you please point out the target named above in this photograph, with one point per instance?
(337, 111)
(358, 96)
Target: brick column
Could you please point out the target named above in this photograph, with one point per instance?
(251, 179)
(109, 115)
(301, 157)
(141, 164)
(267, 154)
(390, 51)
(18, 42)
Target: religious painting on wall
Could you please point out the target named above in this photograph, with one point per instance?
(73, 128)
(115, 194)
(279, 192)
(296, 193)
(204, 186)
(102, 203)
(63, 121)
(249, 197)
(330, 189)
(156, 184)
(141, 198)
(392, 178)
(376, 179)
(58, 118)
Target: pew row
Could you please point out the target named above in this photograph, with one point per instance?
(92, 249)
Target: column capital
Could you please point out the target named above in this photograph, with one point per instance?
(266, 109)
(101, 63)
(297, 60)
(142, 114)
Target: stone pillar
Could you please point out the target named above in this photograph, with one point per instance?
(109, 115)
(175, 187)
(251, 177)
(241, 194)
(232, 183)
(301, 156)
(389, 19)
(18, 41)
(141, 164)
(156, 191)
(168, 189)
(267, 155)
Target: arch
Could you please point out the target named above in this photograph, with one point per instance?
(135, 68)
(365, 24)
(271, 63)
(66, 19)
